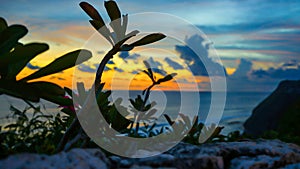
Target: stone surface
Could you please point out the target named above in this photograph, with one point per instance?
(234, 155)
(74, 159)
(278, 108)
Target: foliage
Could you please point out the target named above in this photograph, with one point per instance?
(286, 137)
(40, 133)
(32, 131)
(14, 56)
(118, 23)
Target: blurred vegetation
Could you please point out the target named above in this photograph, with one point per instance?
(32, 132)
(38, 132)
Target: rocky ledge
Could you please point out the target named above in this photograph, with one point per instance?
(233, 155)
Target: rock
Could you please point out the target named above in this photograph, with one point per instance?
(74, 159)
(261, 161)
(234, 155)
(292, 166)
(278, 112)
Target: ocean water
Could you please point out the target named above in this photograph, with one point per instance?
(238, 106)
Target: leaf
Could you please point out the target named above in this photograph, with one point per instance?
(152, 127)
(21, 56)
(101, 87)
(117, 120)
(167, 78)
(3, 24)
(60, 100)
(126, 47)
(114, 14)
(124, 24)
(132, 33)
(69, 91)
(149, 70)
(10, 37)
(48, 87)
(68, 112)
(149, 39)
(186, 120)
(171, 122)
(147, 107)
(113, 10)
(64, 62)
(19, 89)
(150, 114)
(82, 93)
(103, 30)
(120, 43)
(91, 11)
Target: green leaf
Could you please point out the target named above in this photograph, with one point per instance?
(21, 56)
(10, 37)
(132, 33)
(149, 70)
(64, 62)
(68, 112)
(114, 14)
(149, 39)
(51, 92)
(171, 122)
(186, 120)
(82, 93)
(69, 91)
(91, 11)
(60, 100)
(152, 127)
(102, 29)
(48, 87)
(124, 24)
(19, 89)
(167, 78)
(150, 114)
(113, 10)
(126, 47)
(3, 24)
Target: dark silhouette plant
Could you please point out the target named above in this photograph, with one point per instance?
(35, 132)
(14, 56)
(143, 111)
(117, 38)
(41, 133)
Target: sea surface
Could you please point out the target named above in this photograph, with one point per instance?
(238, 106)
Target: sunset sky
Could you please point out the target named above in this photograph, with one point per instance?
(257, 41)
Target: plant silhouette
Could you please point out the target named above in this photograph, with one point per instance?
(117, 38)
(14, 56)
(142, 110)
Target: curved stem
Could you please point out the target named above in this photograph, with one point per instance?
(148, 94)
(86, 105)
(102, 65)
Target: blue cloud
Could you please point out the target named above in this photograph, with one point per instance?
(86, 68)
(288, 72)
(156, 66)
(118, 69)
(194, 62)
(243, 69)
(173, 64)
